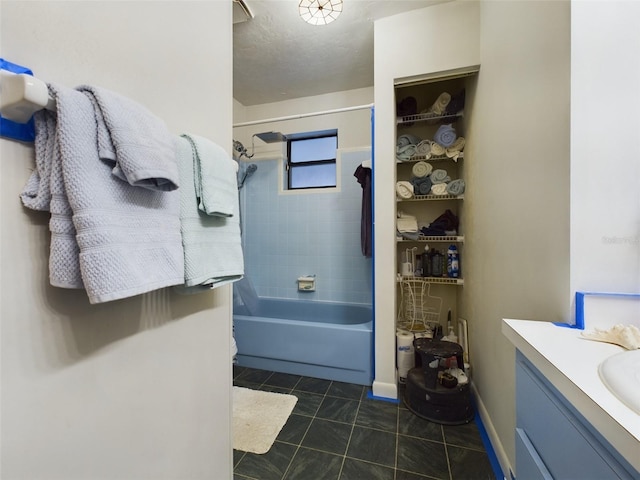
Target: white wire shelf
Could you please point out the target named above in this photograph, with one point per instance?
(417, 198)
(435, 158)
(427, 117)
(439, 280)
(434, 239)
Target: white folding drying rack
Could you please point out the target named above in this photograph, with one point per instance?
(418, 311)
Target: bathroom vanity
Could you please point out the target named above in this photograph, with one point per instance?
(568, 424)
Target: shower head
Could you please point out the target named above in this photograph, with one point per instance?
(271, 137)
(250, 170)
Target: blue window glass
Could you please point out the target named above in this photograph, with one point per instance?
(312, 159)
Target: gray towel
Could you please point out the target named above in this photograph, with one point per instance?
(115, 239)
(133, 141)
(212, 247)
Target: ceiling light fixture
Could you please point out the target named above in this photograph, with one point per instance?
(319, 12)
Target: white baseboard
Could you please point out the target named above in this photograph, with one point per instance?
(384, 390)
(501, 455)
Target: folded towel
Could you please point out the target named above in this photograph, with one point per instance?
(439, 176)
(406, 223)
(407, 139)
(421, 169)
(436, 149)
(439, 106)
(439, 189)
(456, 187)
(454, 150)
(424, 148)
(124, 240)
(405, 153)
(421, 185)
(445, 135)
(404, 189)
(45, 191)
(212, 248)
(133, 141)
(214, 176)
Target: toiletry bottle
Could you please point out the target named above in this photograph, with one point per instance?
(437, 264)
(426, 262)
(453, 262)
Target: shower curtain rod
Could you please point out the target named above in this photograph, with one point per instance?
(302, 115)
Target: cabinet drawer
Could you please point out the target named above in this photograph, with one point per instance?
(566, 443)
(530, 465)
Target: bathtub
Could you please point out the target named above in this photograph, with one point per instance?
(316, 339)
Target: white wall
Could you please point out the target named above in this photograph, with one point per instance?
(434, 39)
(138, 388)
(517, 202)
(605, 147)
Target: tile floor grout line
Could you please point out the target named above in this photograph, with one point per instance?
(446, 452)
(305, 434)
(353, 426)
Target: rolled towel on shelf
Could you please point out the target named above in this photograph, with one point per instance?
(436, 149)
(439, 106)
(424, 148)
(407, 139)
(456, 187)
(439, 189)
(404, 189)
(422, 169)
(405, 153)
(421, 185)
(456, 104)
(439, 176)
(445, 135)
(454, 150)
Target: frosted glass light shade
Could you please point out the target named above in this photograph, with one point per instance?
(319, 12)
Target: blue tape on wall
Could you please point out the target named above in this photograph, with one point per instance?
(24, 132)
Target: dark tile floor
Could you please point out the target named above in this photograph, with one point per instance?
(337, 433)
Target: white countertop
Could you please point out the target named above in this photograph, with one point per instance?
(570, 363)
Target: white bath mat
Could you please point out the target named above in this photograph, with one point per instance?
(258, 417)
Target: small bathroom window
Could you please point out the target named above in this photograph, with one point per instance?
(311, 159)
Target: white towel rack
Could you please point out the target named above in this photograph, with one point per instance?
(21, 95)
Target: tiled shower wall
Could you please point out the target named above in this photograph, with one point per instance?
(289, 235)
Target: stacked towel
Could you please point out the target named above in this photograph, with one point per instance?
(406, 223)
(115, 239)
(407, 139)
(421, 169)
(406, 146)
(212, 247)
(445, 135)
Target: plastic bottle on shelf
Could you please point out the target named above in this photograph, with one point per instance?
(426, 262)
(437, 264)
(453, 262)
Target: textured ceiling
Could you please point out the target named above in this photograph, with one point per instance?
(277, 56)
